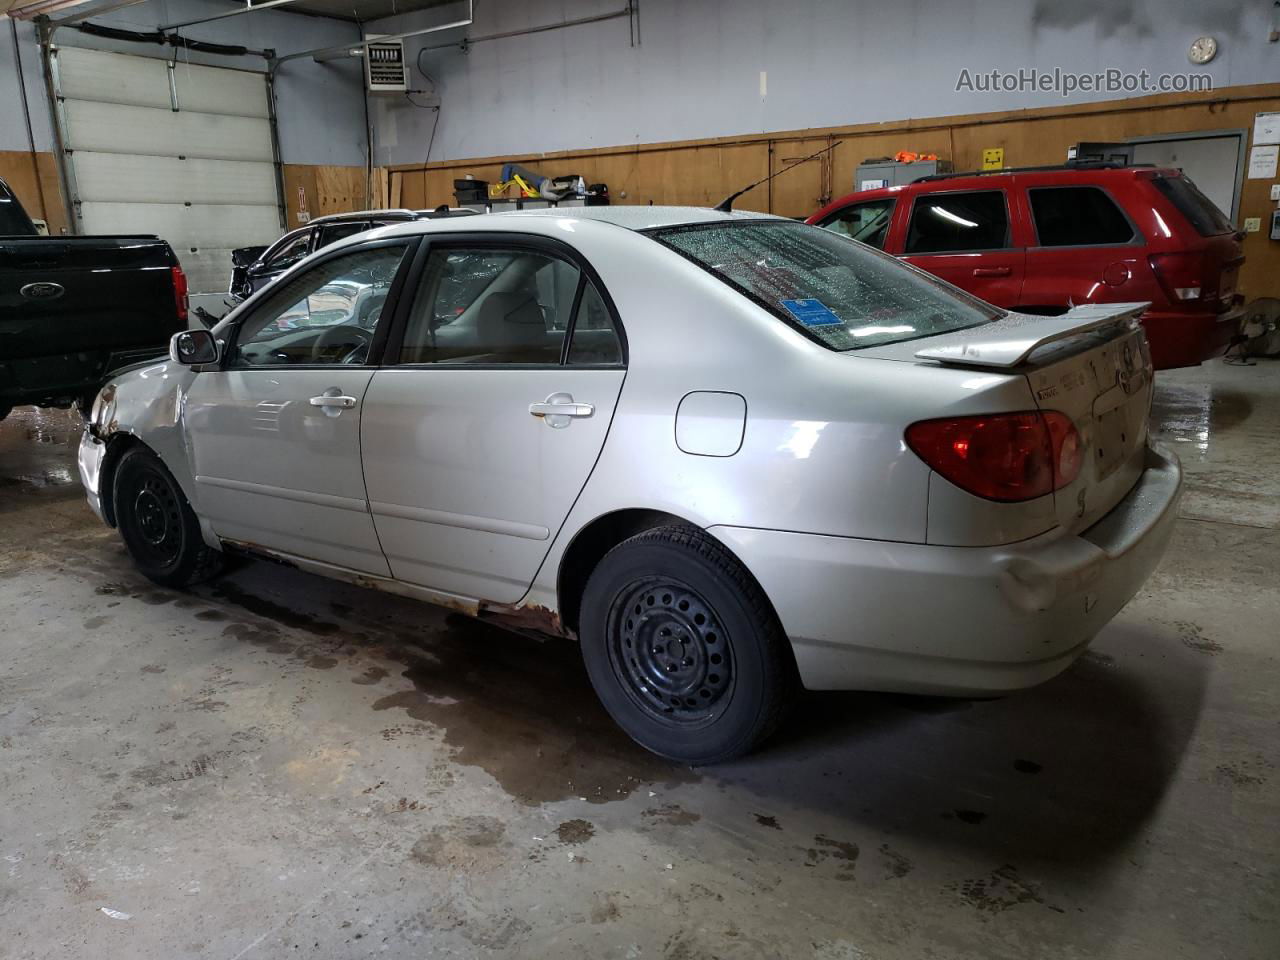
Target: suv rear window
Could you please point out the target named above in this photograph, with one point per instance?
(1199, 210)
(841, 293)
(1077, 217)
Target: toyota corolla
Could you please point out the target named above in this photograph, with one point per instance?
(733, 456)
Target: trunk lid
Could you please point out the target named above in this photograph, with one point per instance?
(1091, 364)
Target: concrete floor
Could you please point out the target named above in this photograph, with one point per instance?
(274, 765)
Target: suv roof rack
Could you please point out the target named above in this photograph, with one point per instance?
(1069, 165)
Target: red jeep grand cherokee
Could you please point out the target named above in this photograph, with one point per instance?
(1041, 240)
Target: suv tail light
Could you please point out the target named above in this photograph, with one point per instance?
(180, 301)
(1007, 457)
(1182, 275)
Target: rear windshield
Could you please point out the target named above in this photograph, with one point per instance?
(13, 219)
(1199, 210)
(834, 290)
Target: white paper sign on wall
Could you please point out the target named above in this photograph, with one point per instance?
(1262, 162)
(1266, 128)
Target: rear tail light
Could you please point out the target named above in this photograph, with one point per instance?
(1182, 275)
(1007, 457)
(180, 301)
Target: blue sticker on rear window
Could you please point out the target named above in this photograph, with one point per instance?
(812, 313)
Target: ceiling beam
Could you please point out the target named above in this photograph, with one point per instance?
(240, 11)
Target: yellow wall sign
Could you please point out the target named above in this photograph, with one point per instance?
(993, 158)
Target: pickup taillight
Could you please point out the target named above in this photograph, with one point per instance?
(180, 300)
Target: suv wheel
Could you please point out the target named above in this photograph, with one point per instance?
(158, 526)
(683, 648)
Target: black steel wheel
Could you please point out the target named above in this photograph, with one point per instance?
(683, 647)
(670, 651)
(156, 523)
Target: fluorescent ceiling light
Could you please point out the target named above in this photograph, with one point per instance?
(948, 215)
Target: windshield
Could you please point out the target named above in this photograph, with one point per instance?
(841, 293)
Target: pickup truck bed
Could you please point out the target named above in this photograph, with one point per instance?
(74, 308)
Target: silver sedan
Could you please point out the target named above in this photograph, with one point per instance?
(732, 455)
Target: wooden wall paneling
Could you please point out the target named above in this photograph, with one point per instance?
(340, 190)
(704, 171)
(17, 169)
(412, 190)
(380, 190)
(798, 191)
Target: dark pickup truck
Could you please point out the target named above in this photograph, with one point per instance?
(73, 309)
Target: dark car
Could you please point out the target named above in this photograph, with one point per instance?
(252, 268)
(1042, 240)
(74, 309)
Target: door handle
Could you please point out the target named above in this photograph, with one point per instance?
(558, 408)
(332, 402)
(345, 403)
(992, 271)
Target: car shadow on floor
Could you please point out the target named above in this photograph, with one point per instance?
(1067, 771)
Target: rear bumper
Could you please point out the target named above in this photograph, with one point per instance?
(1187, 339)
(65, 378)
(872, 615)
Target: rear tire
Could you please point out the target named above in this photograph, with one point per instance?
(157, 524)
(683, 647)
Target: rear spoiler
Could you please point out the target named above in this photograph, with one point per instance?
(1009, 342)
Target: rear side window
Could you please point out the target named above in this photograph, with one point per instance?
(507, 306)
(1200, 211)
(958, 222)
(844, 295)
(1077, 217)
(333, 232)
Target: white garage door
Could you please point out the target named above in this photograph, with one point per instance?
(181, 151)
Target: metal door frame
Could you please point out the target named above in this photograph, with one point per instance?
(57, 111)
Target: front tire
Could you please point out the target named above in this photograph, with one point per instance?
(683, 647)
(157, 524)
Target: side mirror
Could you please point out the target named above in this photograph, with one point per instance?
(193, 347)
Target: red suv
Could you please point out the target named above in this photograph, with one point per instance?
(1041, 240)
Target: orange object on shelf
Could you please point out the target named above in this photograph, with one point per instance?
(907, 156)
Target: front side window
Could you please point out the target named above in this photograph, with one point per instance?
(1077, 217)
(326, 314)
(493, 305)
(866, 222)
(841, 294)
(958, 222)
